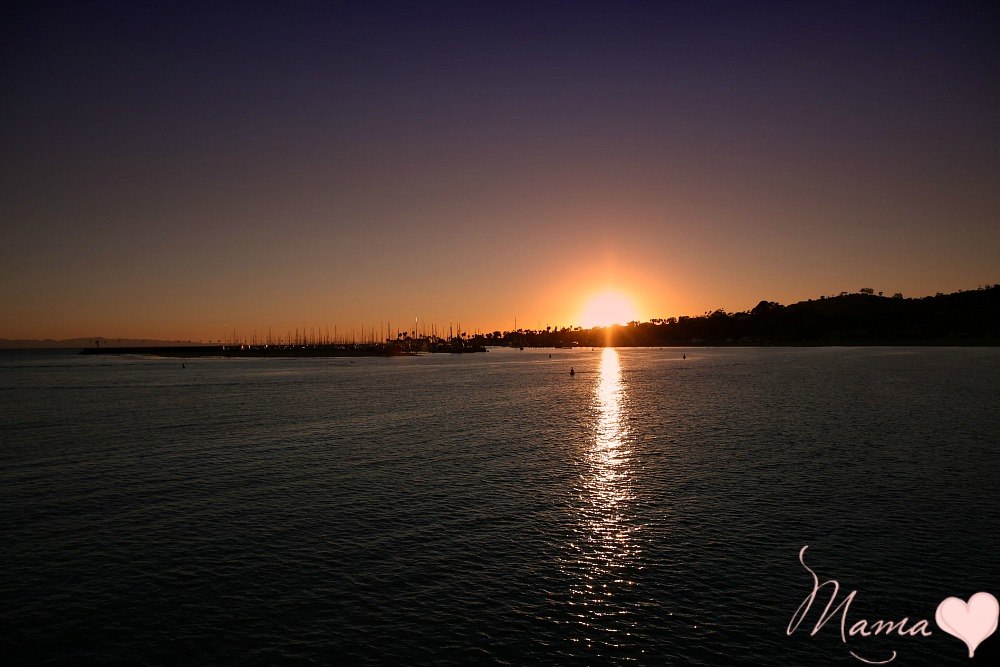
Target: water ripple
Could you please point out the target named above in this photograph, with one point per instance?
(456, 510)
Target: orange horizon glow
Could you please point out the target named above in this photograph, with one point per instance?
(569, 302)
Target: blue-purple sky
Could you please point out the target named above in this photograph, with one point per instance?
(178, 170)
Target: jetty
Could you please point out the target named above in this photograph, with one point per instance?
(400, 347)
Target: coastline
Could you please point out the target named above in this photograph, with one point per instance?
(217, 351)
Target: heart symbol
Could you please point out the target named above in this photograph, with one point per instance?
(972, 622)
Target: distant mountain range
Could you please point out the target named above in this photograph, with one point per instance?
(77, 343)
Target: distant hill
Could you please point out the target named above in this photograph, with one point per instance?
(77, 343)
(864, 318)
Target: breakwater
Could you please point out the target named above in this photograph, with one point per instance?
(388, 349)
(361, 350)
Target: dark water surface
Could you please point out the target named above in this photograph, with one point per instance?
(490, 508)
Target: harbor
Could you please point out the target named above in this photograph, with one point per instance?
(402, 346)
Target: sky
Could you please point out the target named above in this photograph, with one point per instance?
(186, 170)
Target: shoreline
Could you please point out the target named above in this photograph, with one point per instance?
(190, 352)
(378, 351)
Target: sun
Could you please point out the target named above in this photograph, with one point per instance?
(607, 308)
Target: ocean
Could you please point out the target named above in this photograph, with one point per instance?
(493, 509)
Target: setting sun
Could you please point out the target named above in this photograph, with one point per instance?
(606, 308)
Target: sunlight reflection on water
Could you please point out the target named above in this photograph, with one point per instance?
(607, 547)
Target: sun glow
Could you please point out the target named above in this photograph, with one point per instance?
(607, 308)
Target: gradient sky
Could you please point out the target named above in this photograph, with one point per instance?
(177, 170)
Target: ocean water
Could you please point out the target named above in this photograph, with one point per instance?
(490, 508)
